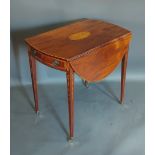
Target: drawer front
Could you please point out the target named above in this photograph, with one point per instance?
(49, 61)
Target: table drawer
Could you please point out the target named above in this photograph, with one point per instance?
(50, 61)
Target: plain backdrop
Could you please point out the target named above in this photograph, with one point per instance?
(31, 17)
(102, 125)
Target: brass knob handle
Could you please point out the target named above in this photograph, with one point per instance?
(55, 63)
(34, 53)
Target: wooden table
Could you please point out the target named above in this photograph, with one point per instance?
(90, 48)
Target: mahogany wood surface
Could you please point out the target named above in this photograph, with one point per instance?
(101, 61)
(90, 48)
(32, 63)
(57, 42)
(123, 75)
(70, 87)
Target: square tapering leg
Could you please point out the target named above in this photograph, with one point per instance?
(123, 76)
(32, 64)
(70, 87)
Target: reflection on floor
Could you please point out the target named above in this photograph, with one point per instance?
(102, 125)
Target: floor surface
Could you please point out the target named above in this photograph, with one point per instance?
(102, 125)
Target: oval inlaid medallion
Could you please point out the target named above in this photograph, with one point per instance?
(79, 35)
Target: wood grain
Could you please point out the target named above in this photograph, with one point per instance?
(101, 61)
(57, 43)
(49, 61)
(32, 64)
(90, 48)
(70, 87)
(123, 75)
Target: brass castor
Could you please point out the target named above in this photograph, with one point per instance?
(85, 83)
(70, 140)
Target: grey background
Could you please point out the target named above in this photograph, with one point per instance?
(102, 125)
(35, 16)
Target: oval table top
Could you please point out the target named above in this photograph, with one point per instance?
(73, 40)
(92, 47)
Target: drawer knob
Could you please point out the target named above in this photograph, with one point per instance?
(55, 63)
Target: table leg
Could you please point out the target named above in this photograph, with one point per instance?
(32, 64)
(123, 76)
(70, 87)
